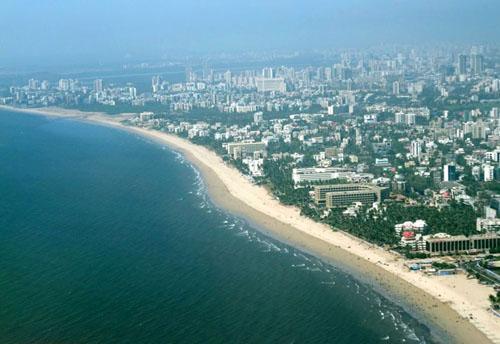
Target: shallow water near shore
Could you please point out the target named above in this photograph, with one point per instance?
(106, 237)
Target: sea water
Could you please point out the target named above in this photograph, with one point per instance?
(106, 237)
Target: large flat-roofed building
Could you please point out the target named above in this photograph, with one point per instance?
(446, 244)
(343, 195)
(270, 84)
(146, 116)
(317, 174)
(239, 150)
(320, 174)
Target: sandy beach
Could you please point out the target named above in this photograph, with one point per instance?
(455, 305)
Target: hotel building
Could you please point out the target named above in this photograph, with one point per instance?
(239, 150)
(343, 195)
(319, 174)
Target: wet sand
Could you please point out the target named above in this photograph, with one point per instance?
(446, 324)
(436, 304)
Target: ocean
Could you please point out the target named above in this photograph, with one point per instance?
(106, 237)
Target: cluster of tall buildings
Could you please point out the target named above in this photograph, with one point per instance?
(470, 64)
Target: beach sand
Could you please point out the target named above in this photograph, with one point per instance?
(456, 307)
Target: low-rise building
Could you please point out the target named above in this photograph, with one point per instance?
(413, 240)
(239, 150)
(319, 174)
(442, 243)
(146, 116)
(418, 226)
(487, 224)
(270, 84)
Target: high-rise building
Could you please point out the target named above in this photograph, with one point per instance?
(320, 73)
(479, 130)
(190, 75)
(462, 64)
(63, 84)
(328, 74)
(74, 85)
(268, 73)
(405, 118)
(45, 85)
(410, 119)
(98, 85)
(477, 63)
(488, 173)
(33, 84)
(449, 173)
(228, 77)
(132, 92)
(416, 149)
(155, 83)
(395, 88)
(495, 85)
(206, 72)
(399, 117)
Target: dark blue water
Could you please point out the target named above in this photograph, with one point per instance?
(108, 238)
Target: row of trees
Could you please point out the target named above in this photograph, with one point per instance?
(279, 175)
(372, 228)
(495, 301)
(456, 219)
(378, 226)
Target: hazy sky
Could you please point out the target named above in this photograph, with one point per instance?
(59, 30)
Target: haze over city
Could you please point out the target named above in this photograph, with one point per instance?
(57, 31)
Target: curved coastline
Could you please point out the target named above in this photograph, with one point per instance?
(436, 300)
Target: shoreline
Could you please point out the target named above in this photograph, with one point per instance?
(441, 301)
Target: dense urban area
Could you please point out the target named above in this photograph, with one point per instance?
(401, 149)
